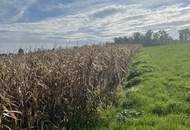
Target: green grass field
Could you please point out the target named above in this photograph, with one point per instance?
(156, 95)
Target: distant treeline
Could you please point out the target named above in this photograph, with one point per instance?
(154, 38)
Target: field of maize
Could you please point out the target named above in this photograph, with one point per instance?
(61, 88)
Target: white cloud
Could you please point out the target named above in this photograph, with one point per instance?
(13, 10)
(22, 10)
(107, 21)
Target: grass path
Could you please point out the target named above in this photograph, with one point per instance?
(157, 93)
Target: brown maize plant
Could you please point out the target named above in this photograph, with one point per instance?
(52, 89)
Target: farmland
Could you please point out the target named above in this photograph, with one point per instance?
(62, 88)
(97, 88)
(94, 64)
(156, 95)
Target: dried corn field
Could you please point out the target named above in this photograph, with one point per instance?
(60, 88)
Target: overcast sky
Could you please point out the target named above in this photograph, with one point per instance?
(39, 21)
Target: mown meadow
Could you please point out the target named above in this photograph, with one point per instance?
(156, 94)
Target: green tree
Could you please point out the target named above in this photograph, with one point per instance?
(184, 35)
(148, 37)
(20, 51)
(137, 37)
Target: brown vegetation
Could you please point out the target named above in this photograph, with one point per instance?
(60, 88)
